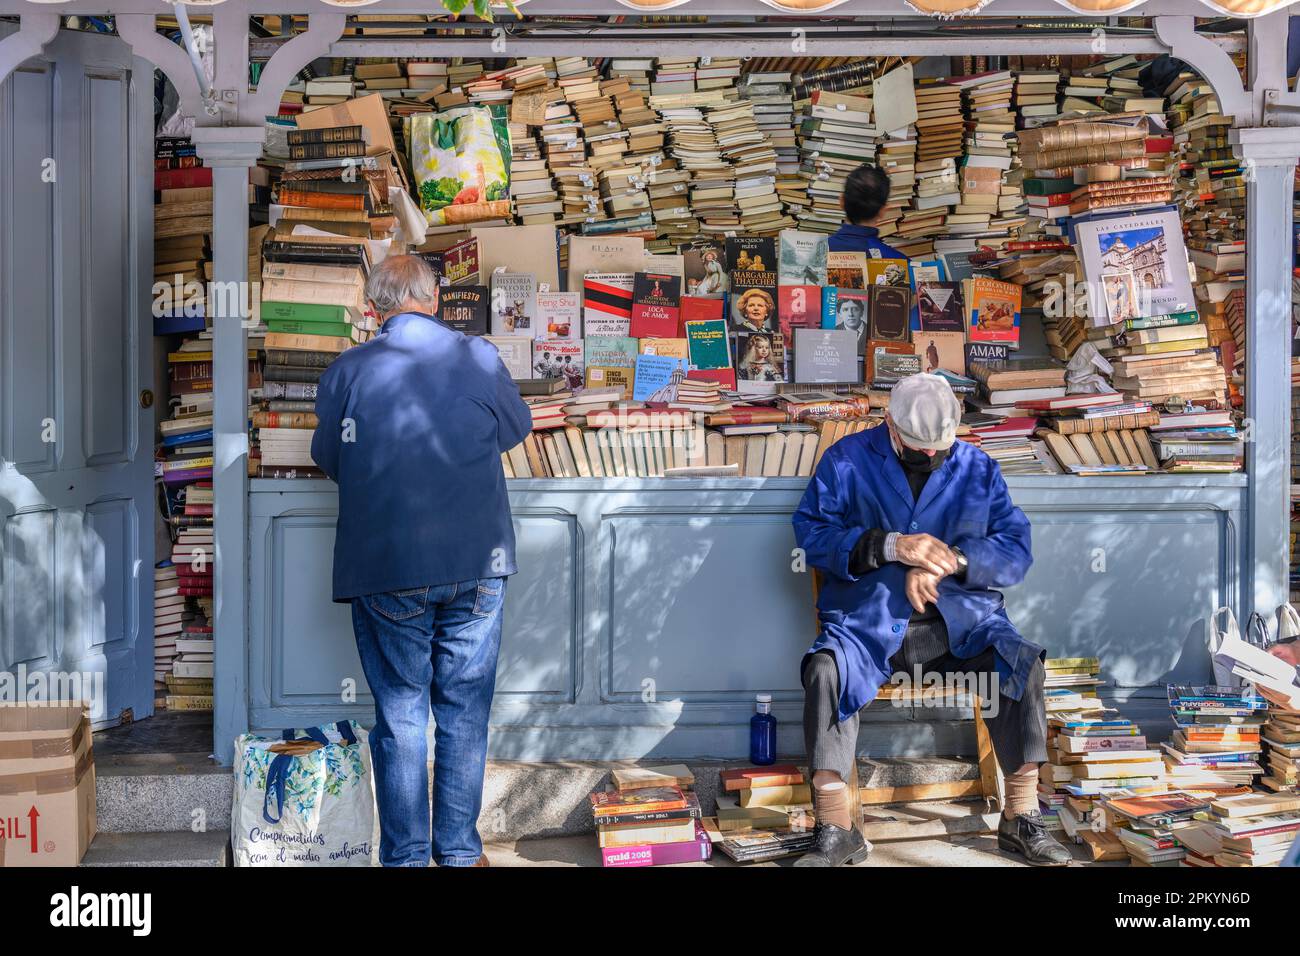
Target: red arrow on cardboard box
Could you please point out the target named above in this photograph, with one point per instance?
(32, 815)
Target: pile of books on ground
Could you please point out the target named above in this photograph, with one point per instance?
(1216, 742)
(649, 817)
(1282, 748)
(1152, 827)
(764, 813)
(1254, 829)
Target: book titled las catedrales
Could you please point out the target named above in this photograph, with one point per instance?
(1135, 266)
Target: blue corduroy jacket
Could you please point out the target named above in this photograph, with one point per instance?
(412, 425)
(851, 238)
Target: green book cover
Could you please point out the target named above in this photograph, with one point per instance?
(1047, 187)
(304, 312)
(1190, 317)
(706, 344)
(308, 327)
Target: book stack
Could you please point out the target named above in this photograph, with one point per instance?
(327, 184)
(623, 185)
(182, 638)
(182, 234)
(702, 184)
(1216, 742)
(329, 90)
(649, 817)
(753, 161)
(772, 94)
(313, 306)
(1282, 749)
(636, 70)
(1198, 441)
(981, 218)
(1036, 94)
(940, 129)
(1255, 829)
(764, 813)
(1098, 432)
(835, 137)
(1093, 751)
(1151, 827)
(1082, 161)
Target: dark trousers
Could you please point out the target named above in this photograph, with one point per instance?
(1017, 729)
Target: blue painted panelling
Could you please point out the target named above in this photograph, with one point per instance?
(647, 613)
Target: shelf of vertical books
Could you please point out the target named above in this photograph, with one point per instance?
(647, 244)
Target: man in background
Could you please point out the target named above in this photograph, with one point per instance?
(914, 531)
(411, 425)
(866, 191)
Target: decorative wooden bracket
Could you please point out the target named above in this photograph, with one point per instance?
(34, 31)
(1206, 57)
(141, 31)
(323, 28)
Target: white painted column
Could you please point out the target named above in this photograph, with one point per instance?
(1270, 155)
(230, 151)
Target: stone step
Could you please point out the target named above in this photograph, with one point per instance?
(159, 849)
(159, 793)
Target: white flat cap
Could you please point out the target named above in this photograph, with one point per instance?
(925, 411)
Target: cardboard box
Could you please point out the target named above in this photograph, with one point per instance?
(47, 785)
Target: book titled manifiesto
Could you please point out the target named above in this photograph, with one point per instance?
(464, 308)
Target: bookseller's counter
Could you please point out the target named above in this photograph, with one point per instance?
(648, 612)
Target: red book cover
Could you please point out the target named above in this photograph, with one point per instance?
(743, 778)
(656, 305)
(182, 178)
(726, 377)
(696, 309)
(798, 307)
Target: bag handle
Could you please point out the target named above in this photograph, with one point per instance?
(1257, 630)
(343, 727)
(1217, 634)
(1288, 622)
(277, 774)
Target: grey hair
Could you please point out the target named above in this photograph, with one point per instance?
(399, 279)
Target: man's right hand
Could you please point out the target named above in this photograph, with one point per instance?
(927, 552)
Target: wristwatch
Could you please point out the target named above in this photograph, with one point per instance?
(962, 563)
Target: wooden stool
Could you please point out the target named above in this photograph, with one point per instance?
(986, 786)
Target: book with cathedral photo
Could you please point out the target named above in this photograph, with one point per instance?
(1135, 266)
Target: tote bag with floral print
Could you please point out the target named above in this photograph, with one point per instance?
(304, 800)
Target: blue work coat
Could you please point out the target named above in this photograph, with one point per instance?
(851, 238)
(859, 485)
(412, 425)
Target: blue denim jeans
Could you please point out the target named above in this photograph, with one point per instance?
(430, 649)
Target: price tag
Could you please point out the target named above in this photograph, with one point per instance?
(543, 287)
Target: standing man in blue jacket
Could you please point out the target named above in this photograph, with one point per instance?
(412, 425)
(866, 191)
(914, 531)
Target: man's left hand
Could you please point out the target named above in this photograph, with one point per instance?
(921, 587)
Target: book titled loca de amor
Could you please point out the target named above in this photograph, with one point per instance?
(656, 304)
(464, 308)
(514, 303)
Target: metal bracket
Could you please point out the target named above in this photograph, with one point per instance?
(323, 29)
(34, 31)
(140, 30)
(1180, 36)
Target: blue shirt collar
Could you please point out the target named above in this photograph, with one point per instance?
(394, 322)
(865, 232)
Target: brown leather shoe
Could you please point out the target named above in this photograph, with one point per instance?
(483, 861)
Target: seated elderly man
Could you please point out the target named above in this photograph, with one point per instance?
(914, 530)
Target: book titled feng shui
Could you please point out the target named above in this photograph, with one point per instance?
(514, 303)
(464, 308)
(559, 315)
(802, 258)
(607, 303)
(825, 356)
(656, 305)
(994, 310)
(751, 268)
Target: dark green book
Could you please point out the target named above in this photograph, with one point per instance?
(308, 327)
(305, 312)
(1047, 187)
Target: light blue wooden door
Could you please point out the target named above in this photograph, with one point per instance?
(76, 440)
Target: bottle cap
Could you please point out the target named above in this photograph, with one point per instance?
(763, 698)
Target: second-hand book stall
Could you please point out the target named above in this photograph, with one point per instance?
(635, 209)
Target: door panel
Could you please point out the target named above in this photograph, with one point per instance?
(76, 448)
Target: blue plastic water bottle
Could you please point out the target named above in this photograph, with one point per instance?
(762, 732)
